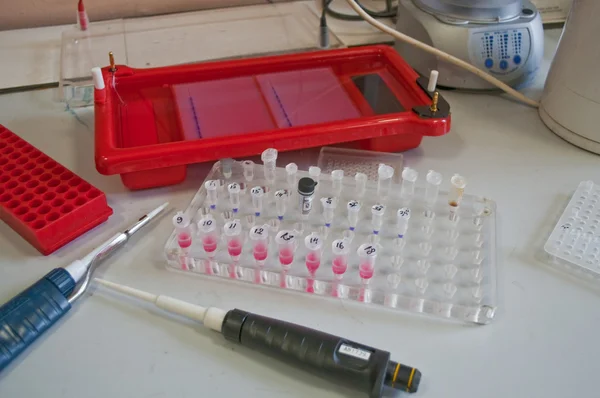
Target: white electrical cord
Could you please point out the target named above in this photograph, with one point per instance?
(445, 56)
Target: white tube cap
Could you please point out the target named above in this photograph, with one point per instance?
(97, 78)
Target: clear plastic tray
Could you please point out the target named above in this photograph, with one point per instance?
(574, 244)
(353, 161)
(439, 272)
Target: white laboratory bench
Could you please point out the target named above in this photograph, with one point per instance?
(542, 343)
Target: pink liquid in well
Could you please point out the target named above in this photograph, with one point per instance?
(260, 252)
(286, 256)
(365, 270)
(313, 261)
(184, 240)
(234, 247)
(339, 265)
(310, 286)
(209, 243)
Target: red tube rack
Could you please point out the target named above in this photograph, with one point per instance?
(44, 202)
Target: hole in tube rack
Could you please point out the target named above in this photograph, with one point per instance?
(52, 217)
(79, 201)
(27, 197)
(39, 224)
(50, 164)
(37, 172)
(5, 134)
(20, 144)
(19, 191)
(11, 184)
(66, 209)
(44, 209)
(35, 155)
(3, 161)
(35, 203)
(12, 140)
(27, 149)
(29, 217)
(62, 189)
(8, 150)
(9, 167)
(21, 210)
(70, 195)
(3, 144)
(4, 178)
(42, 159)
(40, 190)
(5, 197)
(14, 155)
(84, 187)
(57, 202)
(24, 178)
(94, 193)
(58, 170)
(32, 184)
(45, 177)
(53, 183)
(21, 161)
(13, 203)
(49, 196)
(75, 181)
(66, 176)
(16, 172)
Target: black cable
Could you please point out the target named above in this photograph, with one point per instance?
(389, 12)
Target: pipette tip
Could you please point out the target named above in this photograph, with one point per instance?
(158, 210)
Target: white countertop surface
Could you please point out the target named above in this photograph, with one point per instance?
(541, 343)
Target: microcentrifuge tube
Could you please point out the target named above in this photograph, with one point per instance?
(183, 230)
(409, 177)
(257, 194)
(207, 229)
(248, 167)
(259, 236)
(353, 212)
(234, 238)
(360, 182)
(337, 177)
(314, 244)
(234, 196)
(384, 181)
(281, 199)
(340, 249)
(212, 194)
(269, 159)
(226, 167)
(306, 192)
(457, 189)
(291, 170)
(286, 244)
(329, 205)
(367, 254)
(434, 179)
(402, 218)
(377, 212)
(314, 172)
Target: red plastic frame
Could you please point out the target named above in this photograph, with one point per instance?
(159, 164)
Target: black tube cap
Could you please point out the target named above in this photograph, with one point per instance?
(306, 186)
(402, 377)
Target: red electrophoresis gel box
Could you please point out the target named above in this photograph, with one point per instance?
(151, 123)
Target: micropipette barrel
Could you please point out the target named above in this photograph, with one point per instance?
(207, 228)
(384, 182)
(360, 182)
(434, 179)
(234, 196)
(212, 194)
(183, 229)
(457, 189)
(269, 159)
(286, 244)
(281, 198)
(353, 212)
(257, 194)
(340, 249)
(314, 244)
(337, 177)
(233, 235)
(329, 205)
(259, 236)
(402, 218)
(291, 170)
(409, 177)
(377, 212)
(367, 254)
